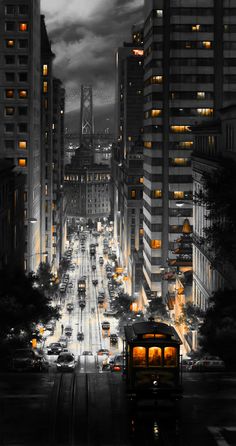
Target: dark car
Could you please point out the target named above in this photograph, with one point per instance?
(82, 303)
(55, 348)
(95, 282)
(118, 364)
(113, 338)
(70, 307)
(103, 351)
(80, 336)
(106, 325)
(87, 353)
(94, 267)
(68, 330)
(27, 359)
(63, 341)
(66, 362)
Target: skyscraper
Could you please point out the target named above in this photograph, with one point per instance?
(189, 74)
(20, 108)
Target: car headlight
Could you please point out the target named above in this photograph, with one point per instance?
(71, 365)
(58, 365)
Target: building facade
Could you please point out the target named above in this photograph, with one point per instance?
(20, 109)
(189, 49)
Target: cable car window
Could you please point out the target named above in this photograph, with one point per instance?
(170, 357)
(139, 357)
(154, 356)
(151, 336)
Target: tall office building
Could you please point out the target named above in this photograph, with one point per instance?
(128, 153)
(20, 108)
(190, 53)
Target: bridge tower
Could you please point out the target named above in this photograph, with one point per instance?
(86, 116)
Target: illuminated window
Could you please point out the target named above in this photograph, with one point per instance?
(201, 94)
(141, 231)
(46, 189)
(156, 244)
(154, 356)
(170, 357)
(157, 193)
(155, 113)
(22, 162)
(205, 111)
(141, 180)
(133, 193)
(139, 357)
(9, 111)
(22, 145)
(180, 128)
(207, 44)
(196, 27)
(129, 138)
(45, 87)
(156, 79)
(23, 94)
(188, 45)
(180, 161)
(178, 195)
(9, 93)
(186, 144)
(159, 12)
(23, 27)
(10, 43)
(147, 144)
(45, 70)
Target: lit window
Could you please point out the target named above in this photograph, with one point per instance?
(159, 12)
(9, 93)
(139, 357)
(180, 161)
(141, 180)
(45, 70)
(188, 45)
(186, 144)
(178, 195)
(133, 194)
(155, 113)
(201, 94)
(147, 144)
(156, 244)
(156, 79)
(45, 87)
(23, 27)
(141, 231)
(10, 43)
(207, 44)
(170, 357)
(180, 128)
(196, 27)
(157, 193)
(205, 111)
(22, 162)
(22, 145)
(23, 94)
(154, 356)
(129, 138)
(9, 111)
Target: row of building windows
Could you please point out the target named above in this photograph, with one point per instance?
(19, 9)
(21, 76)
(155, 113)
(10, 111)
(173, 129)
(184, 95)
(11, 93)
(16, 26)
(21, 127)
(10, 59)
(20, 43)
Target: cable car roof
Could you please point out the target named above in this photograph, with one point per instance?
(137, 330)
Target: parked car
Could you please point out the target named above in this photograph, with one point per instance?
(63, 341)
(103, 351)
(87, 353)
(110, 313)
(118, 364)
(113, 338)
(66, 362)
(94, 267)
(95, 282)
(28, 359)
(54, 348)
(50, 327)
(70, 307)
(68, 330)
(106, 325)
(207, 365)
(80, 336)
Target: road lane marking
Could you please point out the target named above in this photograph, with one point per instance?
(218, 437)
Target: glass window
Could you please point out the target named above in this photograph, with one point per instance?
(10, 77)
(22, 145)
(45, 87)
(9, 111)
(9, 127)
(10, 9)
(9, 144)
(23, 60)
(10, 43)
(22, 127)
(170, 357)
(178, 194)
(45, 70)
(10, 26)
(9, 93)
(147, 144)
(23, 94)
(22, 162)
(23, 26)
(23, 9)
(154, 357)
(139, 357)
(133, 194)
(23, 43)
(157, 193)
(156, 244)
(23, 111)
(23, 77)
(155, 113)
(9, 60)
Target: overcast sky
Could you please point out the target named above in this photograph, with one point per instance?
(85, 35)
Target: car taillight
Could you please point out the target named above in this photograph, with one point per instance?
(117, 368)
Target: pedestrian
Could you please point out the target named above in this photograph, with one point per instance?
(62, 328)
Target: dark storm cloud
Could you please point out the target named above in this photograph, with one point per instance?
(85, 35)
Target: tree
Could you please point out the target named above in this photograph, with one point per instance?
(22, 306)
(218, 195)
(219, 328)
(191, 314)
(158, 310)
(46, 279)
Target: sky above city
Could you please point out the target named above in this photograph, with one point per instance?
(85, 35)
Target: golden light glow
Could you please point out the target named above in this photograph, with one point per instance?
(156, 79)
(10, 43)
(139, 356)
(170, 357)
(141, 231)
(147, 144)
(23, 27)
(152, 336)
(154, 356)
(157, 193)
(45, 70)
(141, 180)
(137, 52)
(201, 94)
(205, 111)
(155, 113)
(196, 27)
(207, 44)
(23, 94)
(186, 227)
(180, 161)
(156, 244)
(10, 93)
(186, 144)
(22, 162)
(134, 307)
(22, 145)
(133, 193)
(45, 87)
(178, 194)
(180, 128)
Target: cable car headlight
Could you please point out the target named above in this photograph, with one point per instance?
(155, 383)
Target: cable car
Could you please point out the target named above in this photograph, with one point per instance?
(153, 361)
